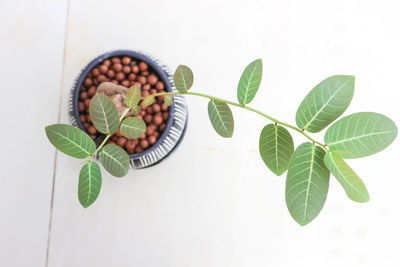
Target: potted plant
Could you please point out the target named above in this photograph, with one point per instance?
(308, 166)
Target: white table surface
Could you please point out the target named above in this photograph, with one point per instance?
(213, 202)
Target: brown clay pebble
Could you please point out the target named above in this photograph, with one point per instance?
(145, 93)
(143, 66)
(88, 82)
(135, 69)
(93, 136)
(138, 85)
(153, 91)
(152, 139)
(140, 117)
(81, 106)
(107, 62)
(91, 130)
(91, 91)
(121, 141)
(138, 149)
(149, 110)
(89, 75)
(148, 118)
(88, 118)
(83, 95)
(136, 141)
(142, 112)
(126, 69)
(164, 107)
(145, 73)
(111, 142)
(114, 138)
(114, 82)
(161, 128)
(132, 77)
(101, 78)
(158, 120)
(87, 102)
(125, 83)
(95, 72)
(117, 67)
(95, 81)
(142, 80)
(120, 76)
(156, 108)
(83, 118)
(165, 116)
(130, 151)
(116, 60)
(150, 129)
(86, 125)
(156, 134)
(118, 133)
(144, 144)
(110, 74)
(152, 79)
(142, 137)
(159, 86)
(126, 60)
(83, 88)
(103, 68)
(146, 87)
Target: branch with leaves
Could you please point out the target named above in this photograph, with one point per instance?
(308, 166)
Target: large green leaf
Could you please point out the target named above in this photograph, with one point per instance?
(276, 148)
(352, 184)
(307, 183)
(104, 114)
(133, 127)
(70, 140)
(115, 160)
(360, 134)
(133, 96)
(183, 78)
(89, 183)
(325, 103)
(249, 82)
(221, 118)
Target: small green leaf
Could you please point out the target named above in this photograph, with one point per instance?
(221, 118)
(276, 148)
(360, 134)
(70, 140)
(104, 114)
(249, 82)
(135, 110)
(133, 96)
(325, 103)
(352, 184)
(168, 100)
(148, 100)
(89, 183)
(133, 128)
(115, 160)
(307, 183)
(183, 78)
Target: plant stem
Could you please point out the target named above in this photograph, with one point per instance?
(108, 136)
(248, 108)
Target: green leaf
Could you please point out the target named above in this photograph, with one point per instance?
(168, 100)
(148, 100)
(307, 183)
(276, 148)
(325, 103)
(104, 114)
(89, 183)
(221, 118)
(352, 184)
(70, 140)
(115, 160)
(135, 110)
(133, 96)
(183, 78)
(249, 82)
(133, 128)
(360, 134)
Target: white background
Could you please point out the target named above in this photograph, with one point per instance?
(213, 202)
